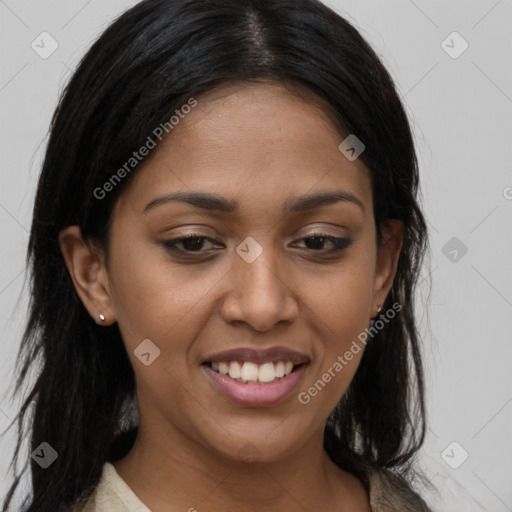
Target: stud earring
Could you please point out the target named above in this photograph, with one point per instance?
(102, 318)
(379, 307)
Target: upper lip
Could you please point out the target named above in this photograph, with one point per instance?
(259, 356)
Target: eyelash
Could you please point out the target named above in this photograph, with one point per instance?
(339, 243)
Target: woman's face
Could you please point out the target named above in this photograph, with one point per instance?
(254, 283)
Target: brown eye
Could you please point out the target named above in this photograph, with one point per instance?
(188, 244)
(317, 243)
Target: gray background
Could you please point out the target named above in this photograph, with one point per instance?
(460, 111)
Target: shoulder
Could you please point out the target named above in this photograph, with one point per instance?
(113, 494)
(389, 492)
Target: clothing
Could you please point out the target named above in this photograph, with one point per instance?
(112, 494)
(387, 494)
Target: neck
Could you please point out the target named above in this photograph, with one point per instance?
(191, 477)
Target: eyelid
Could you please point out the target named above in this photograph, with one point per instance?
(339, 243)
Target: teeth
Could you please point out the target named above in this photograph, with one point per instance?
(249, 372)
(235, 370)
(267, 372)
(252, 372)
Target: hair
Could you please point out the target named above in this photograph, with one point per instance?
(144, 66)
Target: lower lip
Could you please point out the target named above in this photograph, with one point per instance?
(255, 395)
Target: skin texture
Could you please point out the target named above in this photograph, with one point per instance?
(259, 145)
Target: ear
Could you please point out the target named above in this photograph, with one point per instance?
(86, 267)
(388, 252)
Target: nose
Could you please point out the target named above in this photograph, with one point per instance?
(260, 293)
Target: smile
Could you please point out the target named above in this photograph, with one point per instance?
(249, 390)
(254, 373)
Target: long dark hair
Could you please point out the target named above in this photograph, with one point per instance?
(147, 64)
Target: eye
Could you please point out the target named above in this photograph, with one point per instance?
(317, 241)
(193, 243)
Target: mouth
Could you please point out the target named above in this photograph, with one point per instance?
(247, 372)
(255, 378)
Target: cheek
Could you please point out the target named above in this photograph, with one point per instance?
(151, 294)
(342, 298)
(159, 300)
(341, 305)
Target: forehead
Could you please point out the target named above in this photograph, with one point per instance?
(259, 144)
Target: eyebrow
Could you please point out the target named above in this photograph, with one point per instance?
(214, 203)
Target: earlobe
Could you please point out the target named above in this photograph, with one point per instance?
(387, 259)
(88, 273)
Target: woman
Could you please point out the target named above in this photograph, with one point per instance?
(225, 246)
